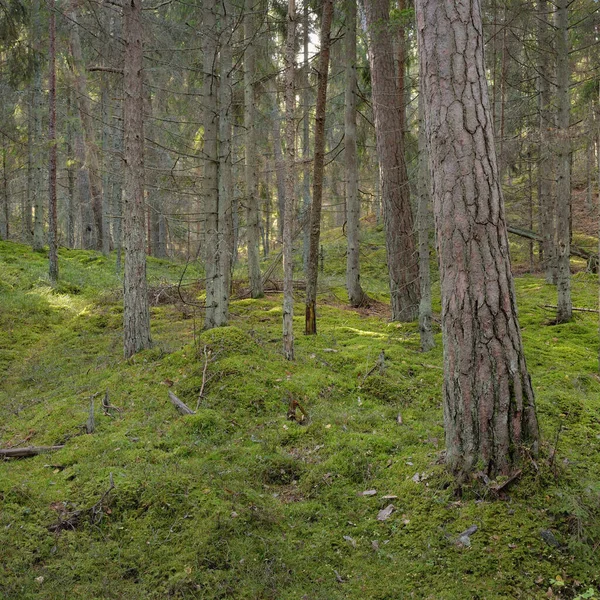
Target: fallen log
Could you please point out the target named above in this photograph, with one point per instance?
(28, 451)
(183, 408)
(536, 237)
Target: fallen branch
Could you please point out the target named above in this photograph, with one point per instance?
(93, 513)
(184, 409)
(502, 487)
(107, 406)
(90, 426)
(379, 364)
(29, 451)
(577, 308)
(201, 394)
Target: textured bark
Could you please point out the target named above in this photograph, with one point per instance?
(136, 314)
(71, 210)
(489, 409)
(545, 164)
(312, 269)
(252, 212)
(210, 182)
(225, 223)
(5, 207)
(278, 156)
(52, 215)
(86, 115)
(305, 139)
(356, 295)
(563, 183)
(37, 199)
(106, 171)
(423, 202)
(290, 131)
(400, 243)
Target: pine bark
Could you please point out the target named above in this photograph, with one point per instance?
(423, 220)
(225, 222)
(52, 214)
(37, 197)
(545, 163)
(563, 183)
(312, 270)
(489, 409)
(252, 212)
(86, 115)
(210, 182)
(356, 295)
(290, 131)
(397, 215)
(136, 314)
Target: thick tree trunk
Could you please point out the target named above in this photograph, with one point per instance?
(290, 132)
(136, 314)
(86, 115)
(356, 295)
(489, 410)
(563, 182)
(52, 214)
(423, 219)
(319, 167)
(400, 243)
(252, 212)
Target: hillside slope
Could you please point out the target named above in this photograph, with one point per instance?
(238, 501)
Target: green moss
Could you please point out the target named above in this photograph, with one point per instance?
(236, 501)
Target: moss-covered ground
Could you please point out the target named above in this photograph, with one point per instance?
(237, 501)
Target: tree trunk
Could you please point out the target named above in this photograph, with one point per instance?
(5, 207)
(278, 158)
(356, 295)
(225, 241)
(423, 219)
(52, 215)
(37, 199)
(489, 410)
(305, 141)
(315, 209)
(211, 160)
(563, 183)
(400, 243)
(545, 164)
(136, 314)
(252, 212)
(86, 115)
(290, 131)
(71, 210)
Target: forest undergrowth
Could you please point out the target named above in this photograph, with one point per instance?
(238, 500)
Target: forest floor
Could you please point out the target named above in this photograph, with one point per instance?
(238, 501)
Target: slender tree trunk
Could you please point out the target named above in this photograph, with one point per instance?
(83, 189)
(252, 212)
(356, 295)
(402, 254)
(106, 117)
(225, 241)
(563, 184)
(545, 164)
(5, 208)
(211, 160)
(305, 140)
(401, 74)
(86, 115)
(52, 215)
(315, 211)
(423, 220)
(71, 211)
(489, 410)
(278, 158)
(136, 313)
(290, 132)
(38, 197)
(27, 203)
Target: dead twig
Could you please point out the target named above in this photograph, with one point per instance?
(94, 513)
(183, 408)
(576, 308)
(29, 451)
